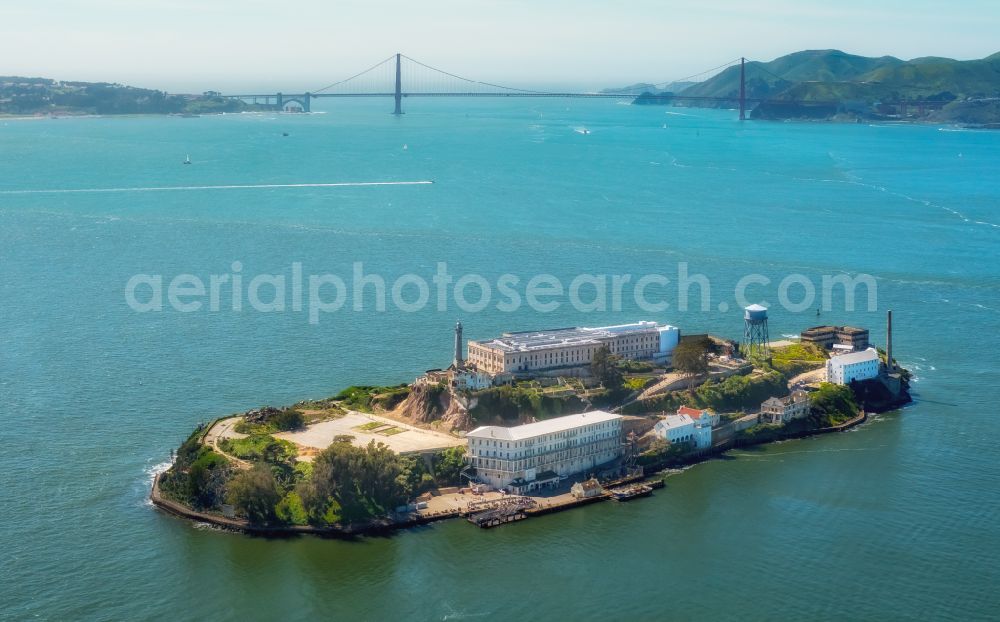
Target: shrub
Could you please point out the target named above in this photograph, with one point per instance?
(254, 492)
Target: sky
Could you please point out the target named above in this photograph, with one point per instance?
(188, 46)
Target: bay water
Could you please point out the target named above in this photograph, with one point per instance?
(897, 519)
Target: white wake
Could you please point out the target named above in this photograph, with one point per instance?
(220, 187)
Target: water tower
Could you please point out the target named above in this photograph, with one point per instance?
(755, 337)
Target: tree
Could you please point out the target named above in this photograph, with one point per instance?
(604, 367)
(361, 481)
(691, 357)
(254, 492)
(448, 466)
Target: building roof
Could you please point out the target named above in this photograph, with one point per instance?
(871, 354)
(853, 330)
(812, 330)
(694, 413)
(545, 339)
(540, 428)
(675, 421)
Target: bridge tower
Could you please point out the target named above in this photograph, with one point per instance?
(399, 89)
(743, 89)
(280, 101)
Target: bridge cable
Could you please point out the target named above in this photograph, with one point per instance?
(496, 86)
(376, 65)
(700, 73)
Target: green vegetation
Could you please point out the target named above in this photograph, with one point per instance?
(29, 96)
(661, 452)
(735, 393)
(604, 367)
(259, 447)
(834, 84)
(632, 366)
(797, 358)
(352, 484)
(690, 357)
(267, 420)
(636, 383)
(198, 476)
(832, 405)
(448, 464)
(365, 398)
(254, 493)
(511, 402)
(291, 511)
(344, 484)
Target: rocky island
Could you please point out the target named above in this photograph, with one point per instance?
(645, 400)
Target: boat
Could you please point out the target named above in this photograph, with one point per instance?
(632, 491)
(187, 159)
(582, 130)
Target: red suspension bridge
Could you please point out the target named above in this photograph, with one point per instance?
(400, 76)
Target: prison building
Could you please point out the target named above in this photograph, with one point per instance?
(572, 347)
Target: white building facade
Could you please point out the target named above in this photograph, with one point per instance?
(572, 347)
(785, 409)
(846, 368)
(689, 425)
(522, 458)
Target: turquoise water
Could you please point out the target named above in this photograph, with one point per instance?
(897, 519)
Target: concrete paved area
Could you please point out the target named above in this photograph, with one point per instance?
(814, 376)
(410, 439)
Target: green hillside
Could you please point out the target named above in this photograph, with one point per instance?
(42, 96)
(831, 84)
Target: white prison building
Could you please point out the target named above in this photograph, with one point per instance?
(572, 347)
(846, 368)
(526, 457)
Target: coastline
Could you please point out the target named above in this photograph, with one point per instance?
(651, 474)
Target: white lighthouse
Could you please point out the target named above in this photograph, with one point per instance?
(458, 362)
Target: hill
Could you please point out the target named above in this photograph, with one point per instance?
(41, 96)
(831, 84)
(642, 87)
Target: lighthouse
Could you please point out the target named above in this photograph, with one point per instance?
(458, 362)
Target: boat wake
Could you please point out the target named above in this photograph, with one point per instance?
(341, 184)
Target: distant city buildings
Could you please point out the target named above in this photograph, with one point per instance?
(846, 368)
(829, 336)
(537, 455)
(535, 351)
(785, 409)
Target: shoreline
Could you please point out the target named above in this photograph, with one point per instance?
(383, 527)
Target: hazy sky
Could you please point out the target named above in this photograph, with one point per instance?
(194, 45)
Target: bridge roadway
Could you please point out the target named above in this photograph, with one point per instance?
(291, 96)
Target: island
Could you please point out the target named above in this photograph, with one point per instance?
(524, 424)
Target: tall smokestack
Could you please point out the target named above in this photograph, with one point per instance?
(888, 341)
(458, 362)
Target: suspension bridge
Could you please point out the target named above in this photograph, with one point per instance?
(400, 76)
